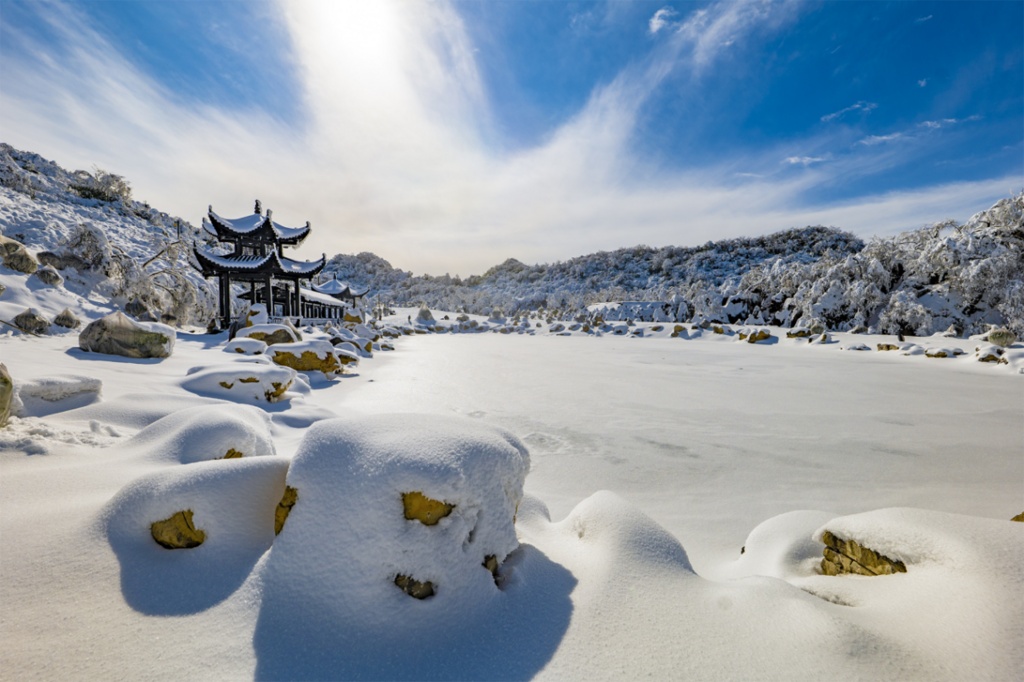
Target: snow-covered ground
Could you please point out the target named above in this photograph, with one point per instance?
(670, 527)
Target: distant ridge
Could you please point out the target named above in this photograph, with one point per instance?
(918, 282)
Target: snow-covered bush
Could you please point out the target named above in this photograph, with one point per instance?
(101, 185)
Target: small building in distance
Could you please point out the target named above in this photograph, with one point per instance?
(340, 291)
(257, 258)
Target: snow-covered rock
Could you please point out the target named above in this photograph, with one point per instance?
(117, 334)
(396, 505)
(269, 333)
(245, 346)
(311, 355)
(254, 383)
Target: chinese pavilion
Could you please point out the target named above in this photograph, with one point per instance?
(257, 258)
(340, 290)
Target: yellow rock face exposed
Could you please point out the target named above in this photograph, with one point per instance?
(178, 531)
(888, 346)
(846, 556)
(415, 588)
(419, 507)
(308, 361)
(232, 454)
(757, 335)
(284, 508)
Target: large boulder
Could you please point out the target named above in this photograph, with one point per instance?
(1002, 337)
(6, 394)
(117, 334)
(16, 256)
(32, 322)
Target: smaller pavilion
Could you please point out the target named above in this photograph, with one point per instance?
(340, 290)
(257, 258)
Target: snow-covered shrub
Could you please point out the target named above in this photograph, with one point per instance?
(101, 185)
(424, 315)
(904, 315)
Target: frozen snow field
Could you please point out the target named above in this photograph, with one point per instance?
(653, 463)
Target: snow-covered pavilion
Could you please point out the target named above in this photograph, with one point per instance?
(339, 290)
(257, 258)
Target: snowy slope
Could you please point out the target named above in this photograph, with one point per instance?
(112, 251)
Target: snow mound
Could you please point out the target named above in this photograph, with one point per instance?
(359, 522)
(245, 346)
(330, 607)
(623, 537)
(255, 383)
(781, 547)
(232, 502)
(963, 565)
(206, 432)
(44, 396)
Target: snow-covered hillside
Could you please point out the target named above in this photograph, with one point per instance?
(115, 251)
(968, 275)
(112, 252)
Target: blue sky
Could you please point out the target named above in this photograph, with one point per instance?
(448, 136)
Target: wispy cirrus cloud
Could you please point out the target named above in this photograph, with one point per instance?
(872, 140)
(803, 160)
(859, 106)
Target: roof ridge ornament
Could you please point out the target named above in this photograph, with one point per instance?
(259, 208)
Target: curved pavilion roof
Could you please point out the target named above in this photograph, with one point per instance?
(334, 287)
(257, 267)
(253, 227)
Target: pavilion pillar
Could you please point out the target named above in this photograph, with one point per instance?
(224, 290)
(268, 296)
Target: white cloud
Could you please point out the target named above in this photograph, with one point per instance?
(921, 20)
(803, 160)
(872, 140)
(859, 106)
(923, 82)
(660, 19)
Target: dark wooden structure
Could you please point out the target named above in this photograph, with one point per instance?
(257, 258)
